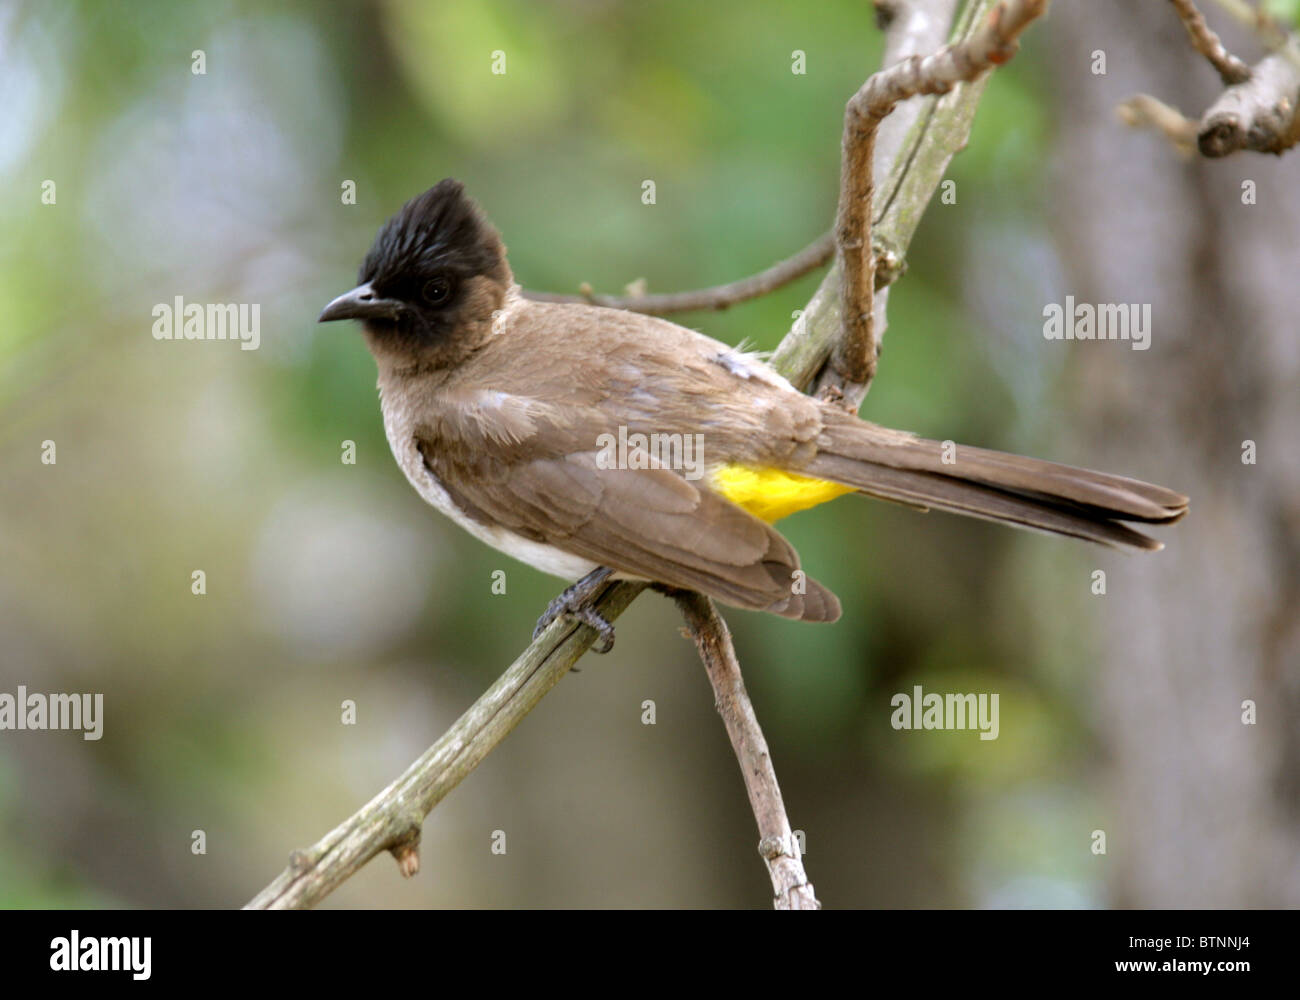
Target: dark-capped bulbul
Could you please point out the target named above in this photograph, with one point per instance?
(504, 413)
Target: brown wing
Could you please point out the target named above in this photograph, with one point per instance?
(651, 523)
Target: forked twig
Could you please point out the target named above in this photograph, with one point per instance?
(853, 361)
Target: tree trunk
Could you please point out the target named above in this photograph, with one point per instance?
(1205, 806)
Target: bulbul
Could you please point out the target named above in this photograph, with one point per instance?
(560, 434)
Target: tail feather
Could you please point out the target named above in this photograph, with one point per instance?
(1011, 489)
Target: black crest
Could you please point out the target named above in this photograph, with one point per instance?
(438, 232)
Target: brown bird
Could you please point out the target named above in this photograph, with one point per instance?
(594, 443)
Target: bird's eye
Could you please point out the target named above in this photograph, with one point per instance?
(436, 291)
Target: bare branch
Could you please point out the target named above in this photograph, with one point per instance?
(1270, 32)
(1260, 109)
(1259, 115)
(1143, 110)
(853, 361)
(776, 841)
(1231, 69)
(392, 820)
(719, 297)
(910, 27)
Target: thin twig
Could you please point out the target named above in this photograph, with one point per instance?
(1143, 110)
(776, 841)
(911, 27)
(853, 361)
(717, 298)
(1270, 32)
(1231, 69)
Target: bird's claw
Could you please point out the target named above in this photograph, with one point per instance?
(576, 602)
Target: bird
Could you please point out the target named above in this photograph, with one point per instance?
(597, 444)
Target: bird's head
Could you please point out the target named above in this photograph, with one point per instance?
(430, 283)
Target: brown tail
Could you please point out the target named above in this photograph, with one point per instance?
(1011, 489)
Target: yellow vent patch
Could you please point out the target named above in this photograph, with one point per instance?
(772, 494)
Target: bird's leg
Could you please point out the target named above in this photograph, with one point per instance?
(577, 602)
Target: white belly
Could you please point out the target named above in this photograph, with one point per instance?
(539, 555)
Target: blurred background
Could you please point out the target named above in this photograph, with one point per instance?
(328, 582)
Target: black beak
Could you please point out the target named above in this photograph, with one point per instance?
(361, 303)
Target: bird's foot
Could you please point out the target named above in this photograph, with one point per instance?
(577, 602)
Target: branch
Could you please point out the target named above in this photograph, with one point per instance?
(1270, 32)
(910, 27)
(776, 843)
(853, 362)
(942, 127)
(1259, 115)
(1260, 109)
(719, 297)
(1143, 110)
(1231, 69)
(392, 819)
